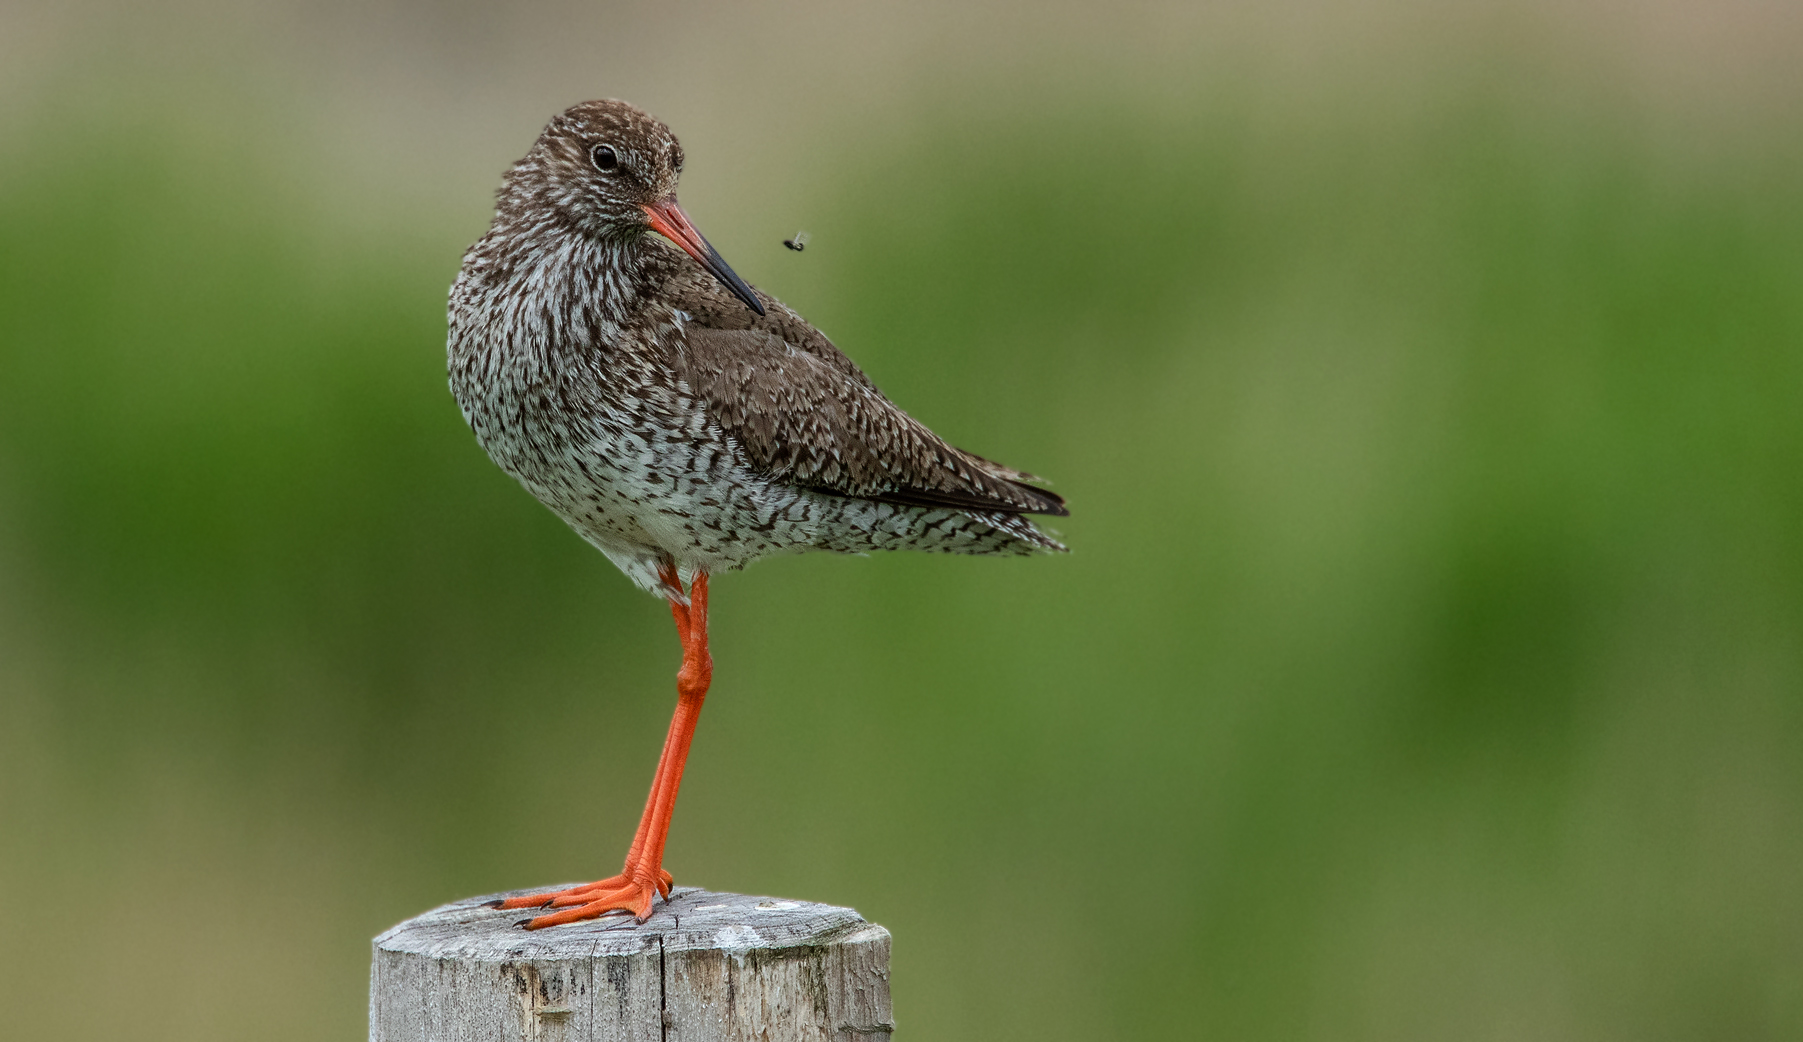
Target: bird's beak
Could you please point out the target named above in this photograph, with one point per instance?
(668, 220)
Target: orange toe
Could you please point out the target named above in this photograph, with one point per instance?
(634, 898)
(615, 893)
(586, 893)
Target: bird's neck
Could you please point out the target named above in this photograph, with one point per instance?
(562, 265)
(553, 284)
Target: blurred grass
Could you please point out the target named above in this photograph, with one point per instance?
(1427, 665)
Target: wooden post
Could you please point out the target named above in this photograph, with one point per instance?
(705, 967)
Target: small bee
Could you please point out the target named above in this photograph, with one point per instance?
(798, 243)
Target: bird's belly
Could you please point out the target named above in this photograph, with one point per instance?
(599, 474)
(628, 485)
(646, 478)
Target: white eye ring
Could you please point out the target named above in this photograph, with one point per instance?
(605, 158)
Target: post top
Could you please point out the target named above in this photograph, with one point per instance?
(693, 919)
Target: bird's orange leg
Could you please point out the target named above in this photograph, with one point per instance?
(644, 877)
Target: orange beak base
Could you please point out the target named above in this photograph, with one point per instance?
(668, 220)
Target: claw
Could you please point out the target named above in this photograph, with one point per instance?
(634, 898)
(616, 893)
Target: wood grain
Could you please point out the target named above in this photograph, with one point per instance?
(706, 967)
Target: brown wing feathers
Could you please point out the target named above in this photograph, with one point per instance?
(807, 415)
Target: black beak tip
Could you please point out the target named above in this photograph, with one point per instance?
(717, 266)
(738, 287)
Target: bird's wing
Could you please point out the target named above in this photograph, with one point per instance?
(814, 420)
(701, 297)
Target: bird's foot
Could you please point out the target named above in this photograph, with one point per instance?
(626, 892)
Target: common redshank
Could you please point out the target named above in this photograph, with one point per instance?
(683, 422)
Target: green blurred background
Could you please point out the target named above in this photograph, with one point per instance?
(1426, 380)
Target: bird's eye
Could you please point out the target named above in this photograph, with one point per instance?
(676, 161)
(604, 157)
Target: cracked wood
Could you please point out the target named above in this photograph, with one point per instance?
(706, 967)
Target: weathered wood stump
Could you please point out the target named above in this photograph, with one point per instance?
(705, 967)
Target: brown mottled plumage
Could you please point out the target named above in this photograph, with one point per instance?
(681, 421)
(804, 420)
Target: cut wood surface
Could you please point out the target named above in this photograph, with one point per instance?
(705, 967)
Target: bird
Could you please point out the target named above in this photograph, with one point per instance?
(683, 422)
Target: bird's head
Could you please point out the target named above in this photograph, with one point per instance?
(610, 169)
